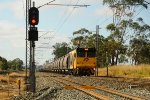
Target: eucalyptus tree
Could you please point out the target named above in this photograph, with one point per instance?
(81, 37)
(16, 64)
(140, 51)
(124, 9)
(123, 13)
(60, 49)
(3, 63)
(140, 42)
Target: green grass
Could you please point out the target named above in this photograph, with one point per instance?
(126, 70)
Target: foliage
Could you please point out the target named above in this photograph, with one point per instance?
(60, 49)
(3, 63)
(115, 44)
(139, 43)
(122, 28)
(140, 51)
(81, 37)
(15, 64)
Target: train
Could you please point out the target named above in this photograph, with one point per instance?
(80, 61)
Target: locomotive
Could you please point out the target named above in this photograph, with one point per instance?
(81, 61)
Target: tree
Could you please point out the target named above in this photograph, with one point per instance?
(140, 41)
(81, 37)
(115, 42)
(140, 51)
(60, 49)
(15, 64)
(120, 29)
(3, 64)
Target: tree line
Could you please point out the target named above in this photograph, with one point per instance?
(128, 42)
(15, 64)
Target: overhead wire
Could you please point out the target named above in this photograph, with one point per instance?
(58, 24)
(67, 17)
(138, 13)
(100, 22)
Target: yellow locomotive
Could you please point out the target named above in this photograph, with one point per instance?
(81, 61)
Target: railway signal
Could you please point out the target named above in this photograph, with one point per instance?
(33, 34)
(33, 16)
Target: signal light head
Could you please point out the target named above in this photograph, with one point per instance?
(33, 21)
(33, 16)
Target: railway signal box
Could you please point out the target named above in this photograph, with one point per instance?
(33, 16)
(33, 34)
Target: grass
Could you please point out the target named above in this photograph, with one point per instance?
(9, 84)
(126, 70)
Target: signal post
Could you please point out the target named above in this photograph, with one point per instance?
(32, 37)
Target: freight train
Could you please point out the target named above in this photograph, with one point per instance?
(81, 61)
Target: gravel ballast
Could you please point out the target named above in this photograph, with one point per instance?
(49, 89)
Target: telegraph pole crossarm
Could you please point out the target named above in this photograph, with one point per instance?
(70, 5)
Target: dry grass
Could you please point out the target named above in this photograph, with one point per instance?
(127, 70)
(9, 85)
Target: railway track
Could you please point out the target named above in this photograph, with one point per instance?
(90, 90)
(83, 89)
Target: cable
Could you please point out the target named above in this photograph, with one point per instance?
(102, 21)
(67, 17)
(138, 13)
(62, 14)
(45, 4)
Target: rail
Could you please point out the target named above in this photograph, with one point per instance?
(80, 87)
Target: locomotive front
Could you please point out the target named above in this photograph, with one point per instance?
(86, 60)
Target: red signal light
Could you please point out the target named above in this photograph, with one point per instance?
(33, 21)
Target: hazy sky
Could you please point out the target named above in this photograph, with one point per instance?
(59, 23)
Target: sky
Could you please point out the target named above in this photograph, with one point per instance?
(56, 24)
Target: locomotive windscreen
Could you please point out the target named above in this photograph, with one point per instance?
(86, 52)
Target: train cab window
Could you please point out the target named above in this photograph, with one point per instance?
(91, 54)
(81, 54)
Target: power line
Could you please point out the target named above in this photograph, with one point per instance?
(43, 34)
(102, 21)
(67, 17)
(63, 14)
(45, 4)
(138, 12)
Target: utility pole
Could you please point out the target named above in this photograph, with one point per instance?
(97, 48)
